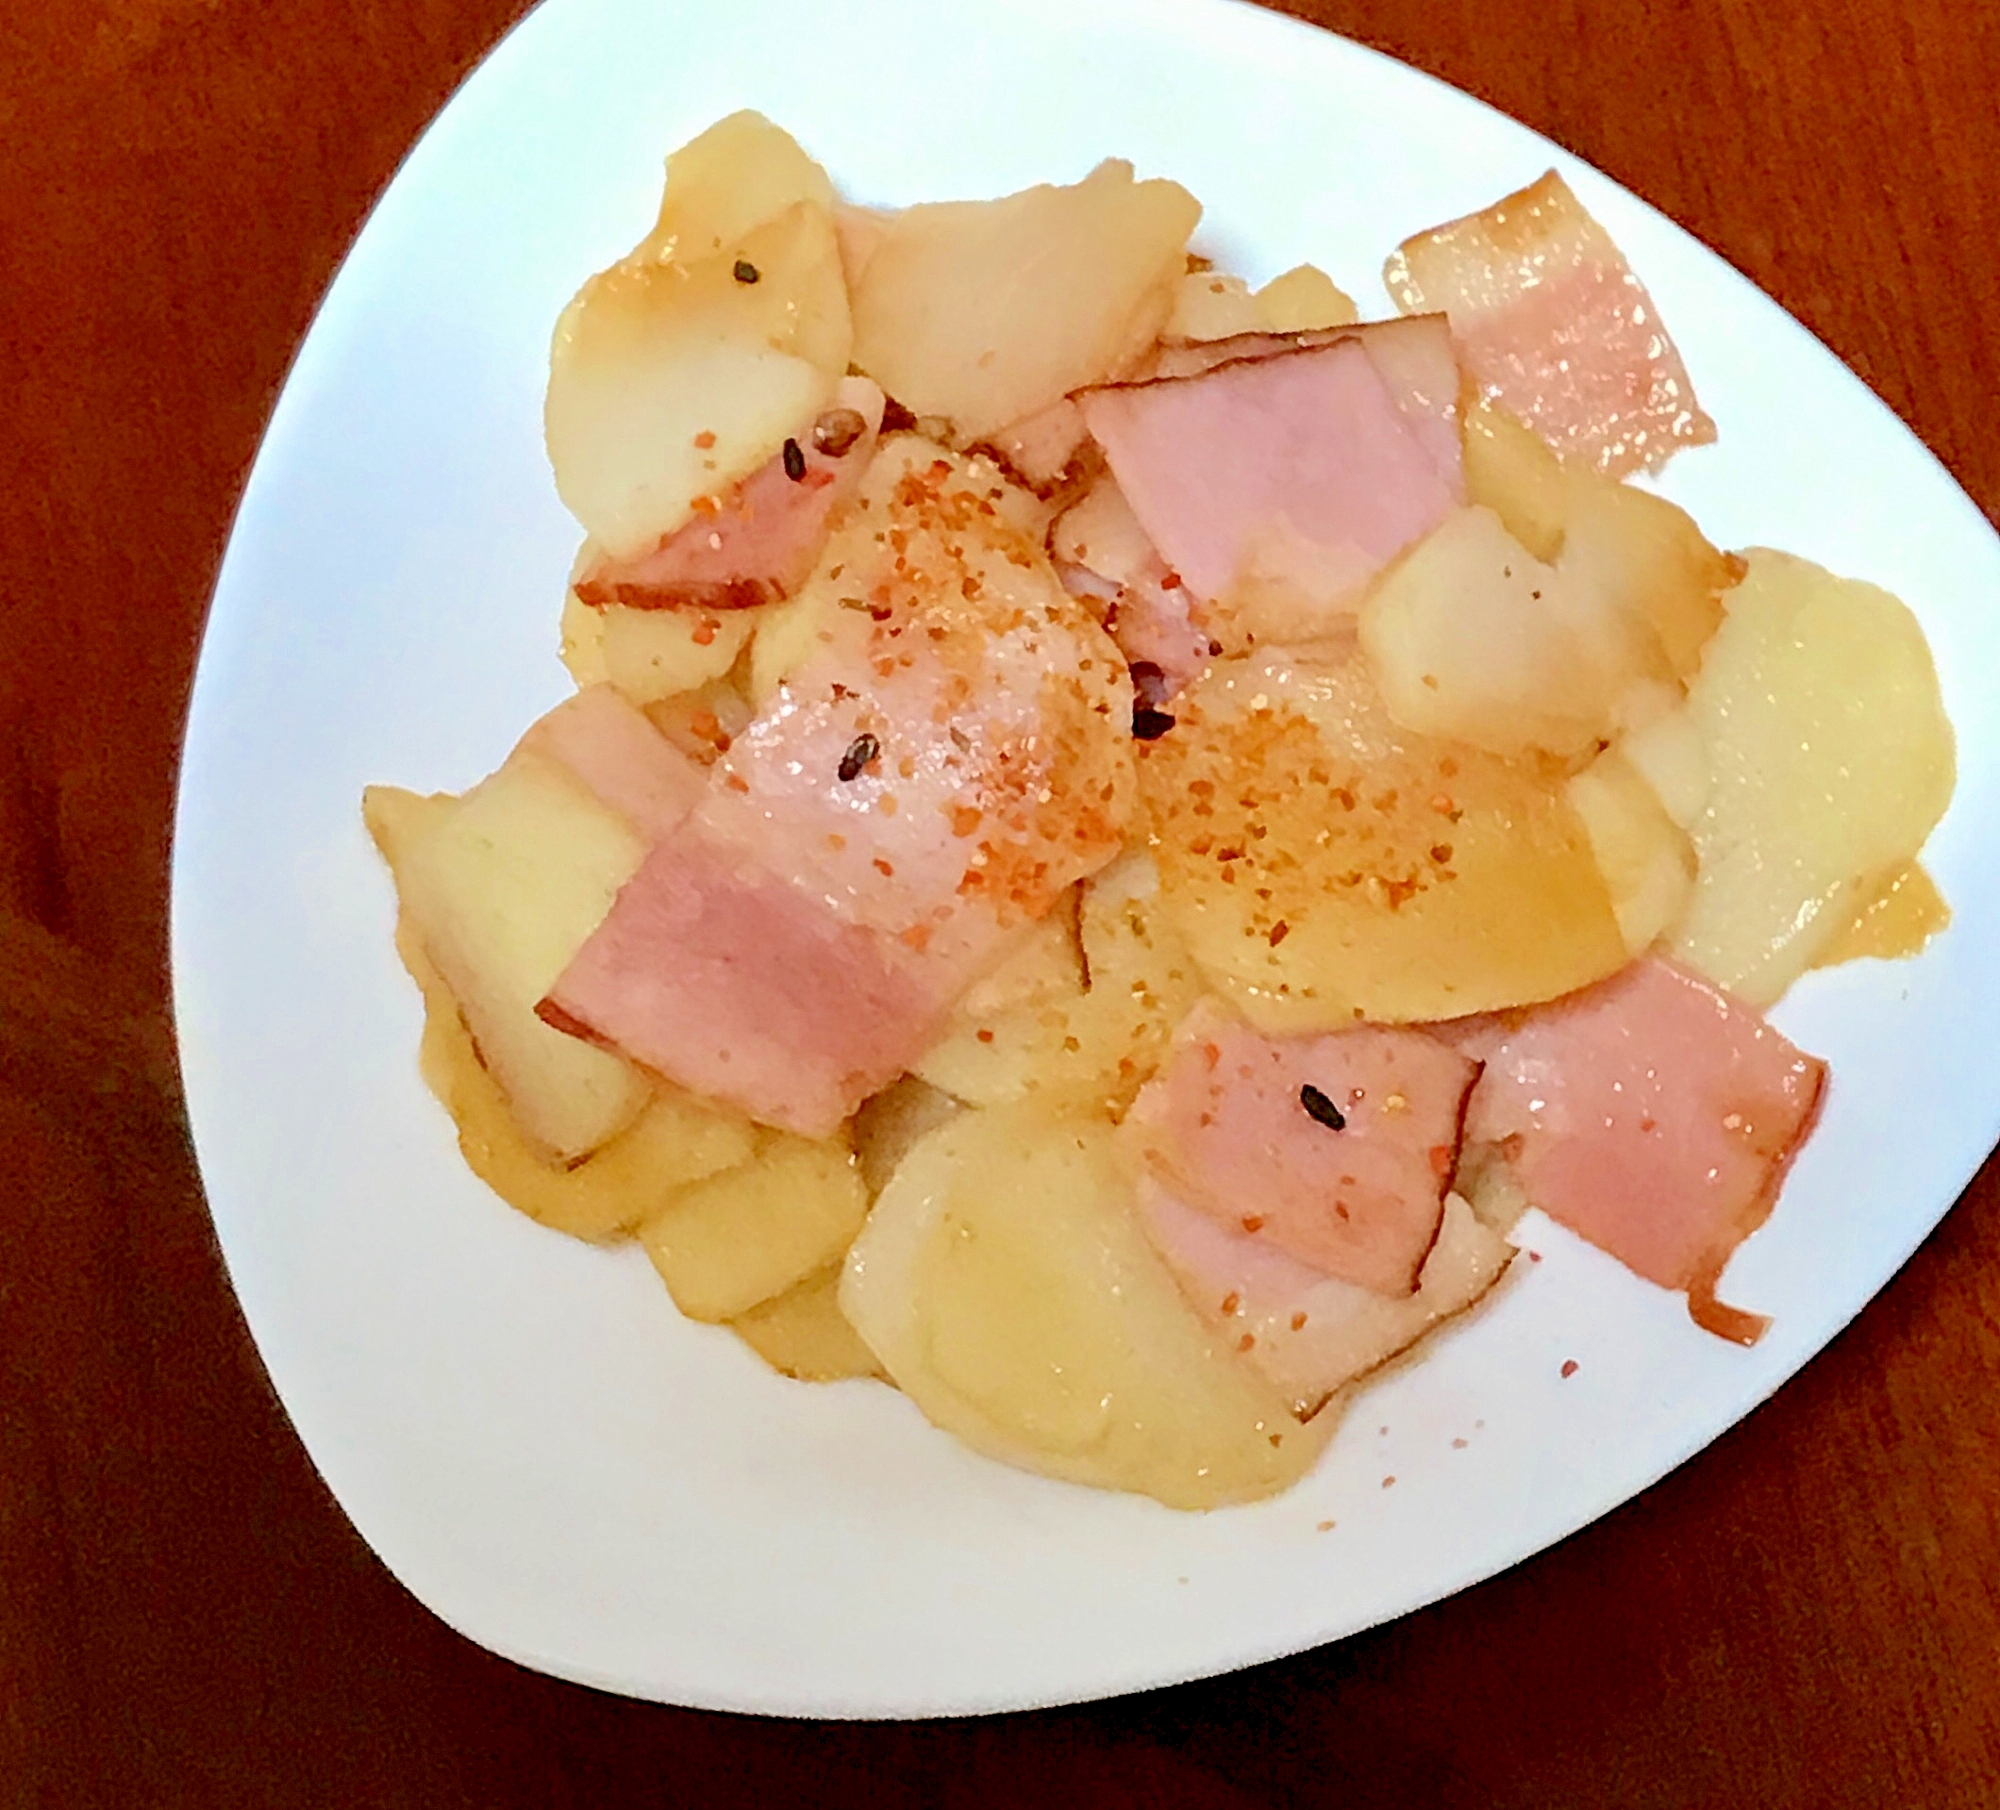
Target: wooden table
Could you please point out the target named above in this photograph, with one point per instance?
(1809, 1613)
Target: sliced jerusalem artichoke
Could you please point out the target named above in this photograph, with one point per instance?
(676, 1139)
(1322, 864)
(1470, 636)
(1090, 1035)
(671, 379)
(1902, 914)
(730, 1242)
(500, 888)
(1209, 305)
(986, 312)
(1644, 856)
(1830, 760)
(803, 1334)
(726, 182)
(651, 654)
(1644, 551)
(1005, 1284)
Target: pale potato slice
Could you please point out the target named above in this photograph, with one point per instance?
(655, 654)
(1304, 300)
(1671, 756)
(669, 381)
(1047, 963)
(1645, 857)
(1322, 864)
(502, 889)
(398, 820)
(1831, 760)
(1647, 554)
(1005, 1285)
(788, 634)
(1470, 636)
(582, 643)
(727, 1244)
(651, 655)
(702, 723)
(676, 1139)
(860, 230)
(1511, 470)
(1637, 548)
(1209, 305)
(803, 1334)
(1092, 1042)
(726, 182)
(984, 312)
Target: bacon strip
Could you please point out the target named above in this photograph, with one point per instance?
(1652, 1114)
(1556, 328)
(1336, 1150)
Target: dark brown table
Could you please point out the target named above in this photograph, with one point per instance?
(1809, 1613)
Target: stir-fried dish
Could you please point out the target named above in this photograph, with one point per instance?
(1116, 828)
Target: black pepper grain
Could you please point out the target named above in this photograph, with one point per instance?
(795, 462)
(746, 272)
(1320, 1109)
(860, 752)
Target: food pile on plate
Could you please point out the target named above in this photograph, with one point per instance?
(1116, 828)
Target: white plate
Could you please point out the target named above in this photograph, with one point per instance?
(522, 1428)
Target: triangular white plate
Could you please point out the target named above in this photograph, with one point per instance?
(521, 1427)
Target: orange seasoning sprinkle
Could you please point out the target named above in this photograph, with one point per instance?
(1298, 1322)
(707, 505)
(918, 937)
(1569, 1367)
(984, 1036)
(1279, 931)
(1253, 1222)
(884, 868)
(704, 631)
(705, 439)
(1246, 1341)
(1231, 1302)
(964, 819)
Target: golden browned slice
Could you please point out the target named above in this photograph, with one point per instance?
(1322, 864)
(803, 1334)
(737, 1239)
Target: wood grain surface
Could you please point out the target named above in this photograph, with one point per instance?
(1808, 1614)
